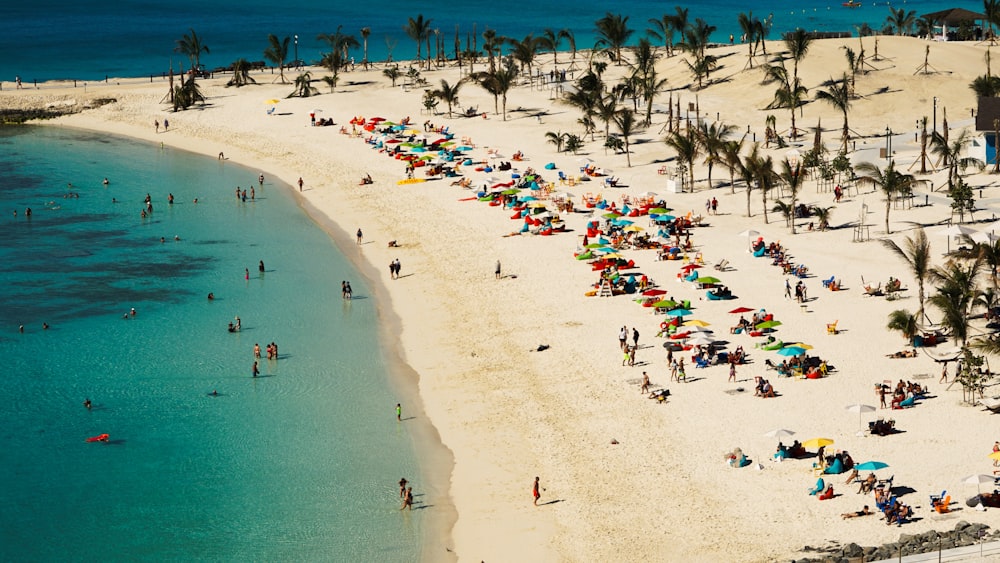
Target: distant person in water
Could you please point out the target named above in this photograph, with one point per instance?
(246, 274)
(86, 403)
(45, 326)
(214, 393)
(260, 179)
(402, 487)
(261, 266)
(106, 182)
(256, 370)
(211, 296)
(20, 328)
(399, 411)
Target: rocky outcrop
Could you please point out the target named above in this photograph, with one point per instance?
(962, 535)
(21, 110)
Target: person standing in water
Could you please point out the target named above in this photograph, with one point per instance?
(399, 412)
(402, 487)
(260, 266)
(246, 274)
(256, 369)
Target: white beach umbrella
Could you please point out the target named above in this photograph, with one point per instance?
(562, 195)
(749, 234)
(647, 194)
(860, 409)
(700, 338)
(978, 480)
(985, 238)
(779, 433)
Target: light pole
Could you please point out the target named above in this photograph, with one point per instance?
(888, 143)
(934, 130)
(296, 51)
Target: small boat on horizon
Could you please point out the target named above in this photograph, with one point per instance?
(851, 4)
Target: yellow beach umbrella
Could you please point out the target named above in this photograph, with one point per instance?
(995, 455)
(696, 322)
(817, 443)
(634, 229)
(802, 345)
(272, 101)
(612, 255)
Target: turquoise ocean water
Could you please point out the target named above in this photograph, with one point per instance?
(297, 465)
(90, 39)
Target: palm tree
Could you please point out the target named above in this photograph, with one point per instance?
(904, 322)
(950, 152)
(303, 87)
(491, 43)
(678, 23)
(340, 45)
(916, 252)
(191, 46)
(991, 9)
(557, 138)
(733, 159)
(365, 32)
(331, 81)
(550, 40)
(792, 176)
(822, 216)
(901, 20)
(687, 149)
(662, 30)
(187, 93)
(957, 290)
(448, 93)
(696, 40)
(241, 74)
(760, 170)
(525, 51)
(891, 181)
(838, 95)
(392, 73)
(986, 86)
(748, 25)
(498, 83)
(790, 93)
(613, 33)
(712, 137)
(419, 30)
(797, 43)
(627, 125)
(277, 52)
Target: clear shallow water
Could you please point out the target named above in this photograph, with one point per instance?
(298, 465)
(88, 39)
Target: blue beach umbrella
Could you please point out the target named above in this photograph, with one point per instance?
(679, 313)
(791, 351)
(871, 466)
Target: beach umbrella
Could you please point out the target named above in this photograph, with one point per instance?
(585, 256)
(696, 328)
(594, 245)
(621, 222)
(418, 149)
(740, 310)
(511, 191)
(985, 238)
(871, 466)
(654, 292)
(978, 480)
(463, 148)
(860, 409)
(749, 233)
(665, 304)
(634, 229)
(791, 351)
(802, 345)
(779, 433)
(272, 102)
(995, 456)
(687, 268)
(708, 279)
(696, 322)
(767, 324)
(817, 443)
(584, 160)
(612, 215)
(659, 211)
(612, 255)
(700, 338)
(679, 312)
(562, 195)
(647, 194)
(662, 218)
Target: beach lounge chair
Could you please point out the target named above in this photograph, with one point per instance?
(936, 498)
(700, 362)
(722, 265)
(831, 328)
(826, 283)
(827, 494)
(941, 506)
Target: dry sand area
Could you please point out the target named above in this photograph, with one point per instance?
(509, 413)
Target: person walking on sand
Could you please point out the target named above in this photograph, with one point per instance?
(534, 491)
(996, 448)
(625, 352)
(635, 337)
(498, 270)
(788, 289)
(399, 412)
(944, 373)
(166, 125)
(156, 124)
(732, 372)
(680, 372)
(631, 356)
(673, 371)
(645, 383)
(623, 338)
(300, 183)
(360, 236)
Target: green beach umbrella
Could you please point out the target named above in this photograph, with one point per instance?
(585, 256)
(659, 210)
(611, 215)
(768, 324)
(594, 245)
(665, 304)
(511, 191)
(708, 279)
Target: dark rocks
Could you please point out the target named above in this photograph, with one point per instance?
(964, 534)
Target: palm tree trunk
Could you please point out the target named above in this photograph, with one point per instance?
(888, 204)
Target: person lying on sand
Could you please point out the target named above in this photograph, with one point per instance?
(903, 354)
(863, 512)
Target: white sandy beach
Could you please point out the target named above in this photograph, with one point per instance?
(508, 413)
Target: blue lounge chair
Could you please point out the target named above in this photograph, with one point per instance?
(826, 283)
(759, 252)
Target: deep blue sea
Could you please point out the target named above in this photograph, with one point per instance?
(299, 464)
(91, 39)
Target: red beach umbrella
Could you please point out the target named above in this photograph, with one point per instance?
(739, 310)
(653, 292)
(690, 267)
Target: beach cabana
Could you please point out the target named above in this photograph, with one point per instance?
(953, 18)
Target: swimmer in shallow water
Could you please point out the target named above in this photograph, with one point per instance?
(86, 403)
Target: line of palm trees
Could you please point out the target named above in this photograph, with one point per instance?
(957, 296)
